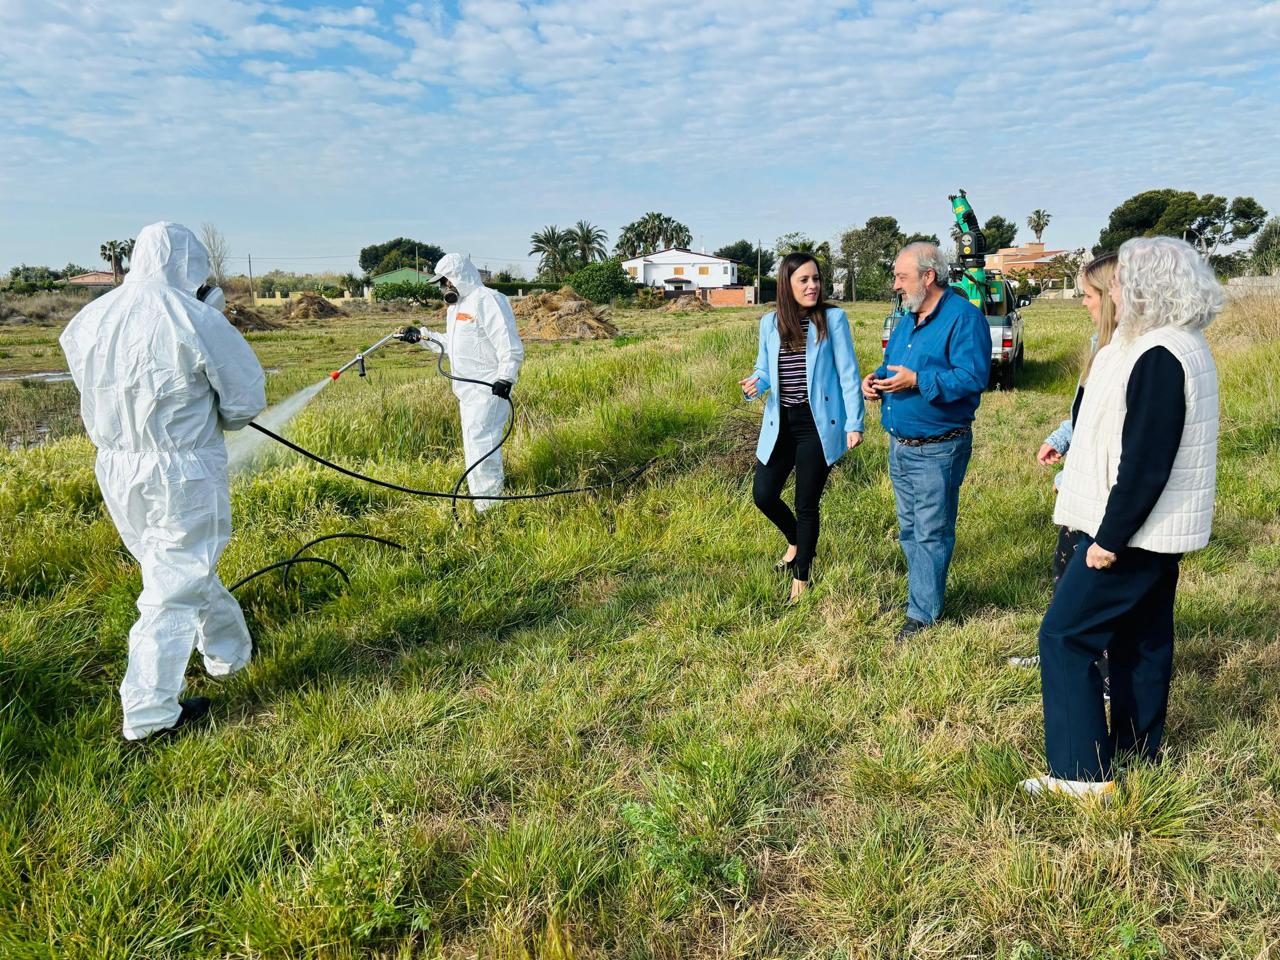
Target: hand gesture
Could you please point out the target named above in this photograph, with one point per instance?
(1048, 455)
(854, 438)
(750, 387)
(904, 378)
(868, 391)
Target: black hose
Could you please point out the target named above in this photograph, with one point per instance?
(288, 563)
(453, 496)
(440, 494)
(297, 554)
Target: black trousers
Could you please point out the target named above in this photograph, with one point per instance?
(799, 448)
(1125, 611)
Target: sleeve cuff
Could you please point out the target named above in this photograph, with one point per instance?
(927, 384)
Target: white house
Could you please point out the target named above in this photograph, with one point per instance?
(682, 271)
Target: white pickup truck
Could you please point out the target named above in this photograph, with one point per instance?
(1007, 349)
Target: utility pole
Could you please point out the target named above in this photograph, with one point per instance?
(758, 287)
(253, 294)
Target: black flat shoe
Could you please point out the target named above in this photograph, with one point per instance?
(909, 630)
(785, 564)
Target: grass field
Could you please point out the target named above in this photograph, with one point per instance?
(590, 727)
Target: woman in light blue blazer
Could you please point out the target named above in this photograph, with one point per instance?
(808, 373)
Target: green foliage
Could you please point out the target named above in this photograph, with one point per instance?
(649, 298)
(866, 255)
(1207, 220)
(1265, 258)
(589, 242)
(602, 282)
(1038, 221)
(999, 232)
(555, 247)
(423, 294)
(401, 252)
(649, 234)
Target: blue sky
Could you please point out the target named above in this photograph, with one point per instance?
(306, 131)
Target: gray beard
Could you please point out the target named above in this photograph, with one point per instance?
(914, 303)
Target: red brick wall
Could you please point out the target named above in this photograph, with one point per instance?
(727, 297)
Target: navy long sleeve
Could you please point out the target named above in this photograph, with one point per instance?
(1152, 433)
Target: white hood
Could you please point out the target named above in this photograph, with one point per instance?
(169, 253)
(461, 272)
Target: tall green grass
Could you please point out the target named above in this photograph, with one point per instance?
(590, 727)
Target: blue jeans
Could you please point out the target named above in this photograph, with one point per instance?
(926, 486)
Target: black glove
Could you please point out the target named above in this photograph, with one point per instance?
(502, 388)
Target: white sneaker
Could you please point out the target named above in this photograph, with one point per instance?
(1074, 788)
(1025, 661)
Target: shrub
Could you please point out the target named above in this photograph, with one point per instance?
(419, 293)
(649, 298)
(602, 282)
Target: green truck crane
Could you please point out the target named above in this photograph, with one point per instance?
(987, 290)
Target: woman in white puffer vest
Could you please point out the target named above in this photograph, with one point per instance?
(1139, 487)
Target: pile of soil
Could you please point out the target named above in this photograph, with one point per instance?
(562, 315)
(246, 319)
(310, 306)
(687, 304)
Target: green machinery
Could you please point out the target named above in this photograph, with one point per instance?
(983, 288)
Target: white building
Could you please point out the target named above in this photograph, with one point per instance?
(682, 271)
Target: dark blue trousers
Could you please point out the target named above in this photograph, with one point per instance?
(1127, 612)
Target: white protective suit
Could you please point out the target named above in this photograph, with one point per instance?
(482, 343)
(160, 376)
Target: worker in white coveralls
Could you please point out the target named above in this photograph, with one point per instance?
(161, 375)
(483, 344)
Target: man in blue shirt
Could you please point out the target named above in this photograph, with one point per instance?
(935, 368)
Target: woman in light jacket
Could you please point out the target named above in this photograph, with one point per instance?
(808, 373)
(1139, 487)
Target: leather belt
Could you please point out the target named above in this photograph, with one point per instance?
(921, 441)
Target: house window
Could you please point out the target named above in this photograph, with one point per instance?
(724, 269)
(678, 271)
(631, 270)
(703, 271)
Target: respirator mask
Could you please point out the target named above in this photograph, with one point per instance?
(449, 291)
(212, 296)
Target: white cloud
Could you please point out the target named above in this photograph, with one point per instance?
(870, 107)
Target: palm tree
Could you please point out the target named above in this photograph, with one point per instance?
(651, 227)
(675, 234)
(629, 242)
(588, 241)
(113, 252)
(555, 247)
(1038, 220)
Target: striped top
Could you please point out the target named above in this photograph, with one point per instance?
(793, 388)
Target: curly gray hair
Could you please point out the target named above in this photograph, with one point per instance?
(928, 256)
(1164, 282)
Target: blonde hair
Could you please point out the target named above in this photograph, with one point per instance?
(1097, 273)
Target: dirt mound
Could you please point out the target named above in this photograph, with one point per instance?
(310, 306)
(562, 315)
(687, 304)
(246, 319)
